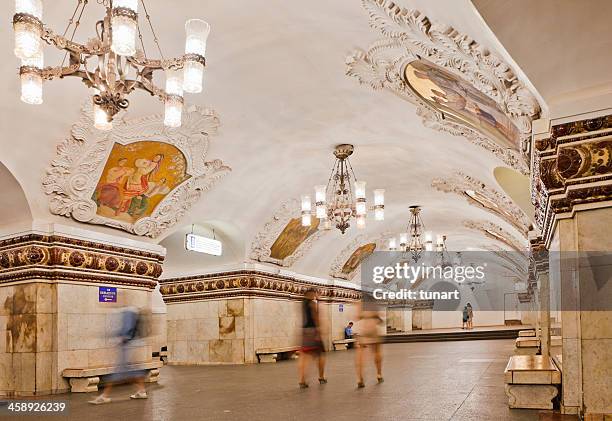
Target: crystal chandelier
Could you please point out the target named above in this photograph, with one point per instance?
(343, 197)
(110, 64)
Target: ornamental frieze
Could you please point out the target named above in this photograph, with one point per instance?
(248, 284)
(54, 257)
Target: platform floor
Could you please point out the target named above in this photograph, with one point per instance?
(458, 330)
(423, 381)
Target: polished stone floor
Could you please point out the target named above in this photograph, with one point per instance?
(423, 381)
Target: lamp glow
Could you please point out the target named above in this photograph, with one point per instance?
(197, 32)
(173, 111)
(403, 239)
(31, 88)
(360, 221)
(174, 82)
(129, 4)
(124, 35)
(193, 75)
(392, 243)
(360, 189)
(27, 40)
(306, 208)
(101, 119)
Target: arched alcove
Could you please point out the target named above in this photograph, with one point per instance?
(14, 207)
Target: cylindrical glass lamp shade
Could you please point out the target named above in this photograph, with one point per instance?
(173, 111)
(101, 119)
(392, 244)
(196, 31)
(124, 35)
(129, 4)
(320, 193)
(306, 205)
(428, 247)
(360, 189)
(174, 82)
(403, 239)
(428, 237)
(439, 240)
(27, 40)
(379, 197)
(31, 88)
(321, 211)
(30, 7)
(360, 208)
(306, 220)
(193, 75)
(360, 221)
(379, 214)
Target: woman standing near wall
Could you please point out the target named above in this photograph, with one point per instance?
(312, 344)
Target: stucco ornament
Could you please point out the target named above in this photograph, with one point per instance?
(73, 175)
(261, 247)
(359, 241)
(495, 232)
(481, 195)
(409, 36)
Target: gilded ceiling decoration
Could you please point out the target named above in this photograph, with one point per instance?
(140, 177)
(283, 239)
(457, 85)
(479, 194)
(494, 231)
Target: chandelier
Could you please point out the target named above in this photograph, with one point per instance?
(111, 63)
(412, 241)
(343, 197)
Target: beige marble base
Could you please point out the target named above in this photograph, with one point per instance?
(526, 351)
(84, 385)
(531, 396)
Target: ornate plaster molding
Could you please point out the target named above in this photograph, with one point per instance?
(248, 284)
(263, 241)
(57, 258)
(572, 166)
(362, 239)
(518, 263)
(495, 232)
(479, 194)
(73, 175)
(409, 35)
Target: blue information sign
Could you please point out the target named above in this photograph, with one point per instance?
(107, 294)
(340, 308)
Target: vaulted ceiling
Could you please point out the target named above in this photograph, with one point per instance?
(276, 78)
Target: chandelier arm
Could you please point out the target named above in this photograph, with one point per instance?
(50, 73)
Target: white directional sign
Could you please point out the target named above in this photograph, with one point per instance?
(203, 244)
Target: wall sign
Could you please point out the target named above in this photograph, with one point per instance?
(341, 308)
(203, 245)
(107, 294)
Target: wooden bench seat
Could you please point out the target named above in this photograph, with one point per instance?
(531, 381)
(87, 379)
(342, 344)
(526, 346)
(271, 355)
(526, 333)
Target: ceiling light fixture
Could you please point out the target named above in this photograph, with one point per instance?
(343, 197)
(111, 63)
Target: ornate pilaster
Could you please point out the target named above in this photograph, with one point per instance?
(572, 167)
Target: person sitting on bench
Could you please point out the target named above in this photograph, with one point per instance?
(348, 334)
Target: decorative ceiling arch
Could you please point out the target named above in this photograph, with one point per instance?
(518, 263)
(410, 36)
(283, 240)
(479, 194)
(14, 206)
(346, 264)
(89, 180)
(495, 232)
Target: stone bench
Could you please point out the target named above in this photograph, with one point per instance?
(342, 344)
(531, 381)
(526, 333)
(87, 379)
(526, 346)
(271, 355)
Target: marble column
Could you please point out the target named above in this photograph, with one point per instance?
(51, 317)
(572, 190)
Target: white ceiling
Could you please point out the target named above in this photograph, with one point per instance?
(276, 78)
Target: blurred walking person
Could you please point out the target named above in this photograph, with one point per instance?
(135, 326)
(470, 321)
(312, 344)
(368, 336)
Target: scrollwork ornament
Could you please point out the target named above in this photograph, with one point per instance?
(72, 176)
(409, 35)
